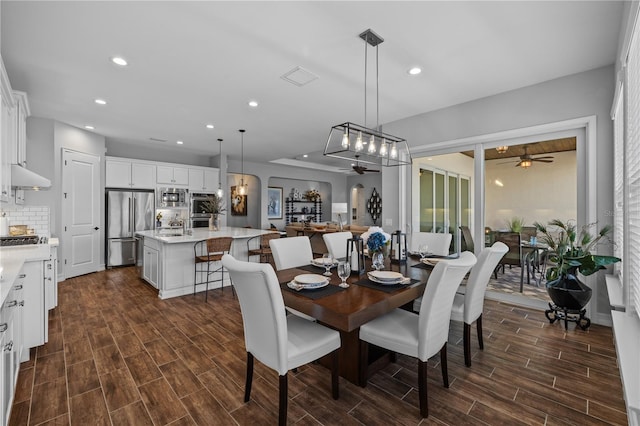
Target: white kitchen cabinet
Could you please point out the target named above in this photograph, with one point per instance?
(19, 155)
(7, 139)
(10, 346)
(50, 271)
(122, 173)
(151, 266)
(35, 318)
(204, 180)
(169, 175)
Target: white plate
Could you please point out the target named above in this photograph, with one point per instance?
(387, 282)
(310, 279)
(433, 260)
(296, 286)
(386, 275)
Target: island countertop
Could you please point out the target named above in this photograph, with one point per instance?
(199, 234)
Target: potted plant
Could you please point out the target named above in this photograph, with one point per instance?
(214, 206)
(515, 224)
(570, 253)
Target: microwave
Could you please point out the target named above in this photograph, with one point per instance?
(172, 197)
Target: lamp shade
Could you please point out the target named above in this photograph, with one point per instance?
(339, 208)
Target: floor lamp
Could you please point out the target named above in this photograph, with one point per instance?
(339, 209)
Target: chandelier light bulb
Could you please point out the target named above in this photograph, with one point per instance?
(359, 144)
(345, 139)
(394, 151)
(220, 192)
(372, 145)
(383, 148)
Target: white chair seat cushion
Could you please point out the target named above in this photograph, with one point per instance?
(308, 341)
(457, 310)
(396, 331)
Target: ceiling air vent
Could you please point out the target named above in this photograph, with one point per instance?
(299, 76)
(157, 140)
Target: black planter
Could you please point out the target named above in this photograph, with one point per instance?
(568, 292)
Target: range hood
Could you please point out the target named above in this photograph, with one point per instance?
(22, 178)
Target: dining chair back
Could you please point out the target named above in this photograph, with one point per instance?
(527, 232)
(420, 335)
(468, 307)
(467, 239)
(336, 243)
(278, 341)
(291, 252)
(514, 256)
(438, 242)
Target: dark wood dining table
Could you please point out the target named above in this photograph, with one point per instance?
(346, 310)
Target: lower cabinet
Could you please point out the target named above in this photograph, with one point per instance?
(11, 316)
(35, 318)
(151, 266)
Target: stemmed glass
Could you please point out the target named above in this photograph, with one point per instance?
(344, 270)
(327, 261)
(423, 250)
(377, 261)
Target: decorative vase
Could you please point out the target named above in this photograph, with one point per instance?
(568, 292)
(213, 222)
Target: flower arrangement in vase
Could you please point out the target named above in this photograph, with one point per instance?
(312, 195)
(213, 205)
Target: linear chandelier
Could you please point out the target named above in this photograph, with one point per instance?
(362, 144)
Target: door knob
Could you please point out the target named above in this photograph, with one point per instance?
(96, 228)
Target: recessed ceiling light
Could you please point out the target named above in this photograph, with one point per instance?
(89, 127)
(100, 101)
(119, 61)
(415, 71)
(179, 142)
(253, 104)
(305, 155)
(209, 126)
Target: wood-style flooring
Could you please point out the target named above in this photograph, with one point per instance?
(118, 355)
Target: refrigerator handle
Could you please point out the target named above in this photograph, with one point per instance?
(129, 200)
(133, 218)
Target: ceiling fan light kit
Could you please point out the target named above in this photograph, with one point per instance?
(346, 140)
(502, 149)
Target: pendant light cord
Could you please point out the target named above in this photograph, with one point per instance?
(365, 82)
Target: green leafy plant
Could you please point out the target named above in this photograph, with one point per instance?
(570, 250)
(515, 224)
(213, 205)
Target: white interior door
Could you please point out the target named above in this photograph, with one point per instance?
(81, 208)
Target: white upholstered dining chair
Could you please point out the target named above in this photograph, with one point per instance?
(336, 243)
(468, 307)
(420, 335)
(280, 342)
(291, 252)
(438, 242)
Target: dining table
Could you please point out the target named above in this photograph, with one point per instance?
(346, 309)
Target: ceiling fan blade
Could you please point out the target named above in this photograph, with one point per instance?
(509, 162)
(519, 162)
(541, 160)
(371, 170)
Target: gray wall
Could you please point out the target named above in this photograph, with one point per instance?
(368, 182)
(580, 95)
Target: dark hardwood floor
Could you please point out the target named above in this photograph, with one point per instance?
(118, 355)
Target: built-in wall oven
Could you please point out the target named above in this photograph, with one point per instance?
(199, 218)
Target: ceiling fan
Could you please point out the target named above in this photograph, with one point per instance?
(526, 160)
(362, 169)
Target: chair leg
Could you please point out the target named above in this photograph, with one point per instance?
(364, 362)
(479, 328)
(282, 416)
(335, 372)
(206, 286)
(247, 385)
(443, 364)
(422, 388)
(467, 344)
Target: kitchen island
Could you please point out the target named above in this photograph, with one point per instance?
(168, 261)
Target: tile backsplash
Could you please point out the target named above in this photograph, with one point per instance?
(36, 217)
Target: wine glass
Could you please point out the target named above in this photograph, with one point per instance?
(423, 250)
(327, 261)
(377, 261)
(344, 270)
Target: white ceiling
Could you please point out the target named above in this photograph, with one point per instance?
(201, 62)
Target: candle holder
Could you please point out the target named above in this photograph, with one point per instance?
(399, 247)
(355, 254)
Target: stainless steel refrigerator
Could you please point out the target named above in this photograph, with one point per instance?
(127, 212)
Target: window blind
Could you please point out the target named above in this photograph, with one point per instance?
(618, 181)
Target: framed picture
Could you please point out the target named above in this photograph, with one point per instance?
(238, 203)
(274, 202)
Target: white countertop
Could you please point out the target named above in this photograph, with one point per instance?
(199, 234)
(13, 257)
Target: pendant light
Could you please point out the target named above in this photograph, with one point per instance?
(244, 188)
(220, 192)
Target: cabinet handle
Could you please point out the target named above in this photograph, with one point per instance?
(48, 278)
(4, 192)
(3, 327)
(22, 275)
(12, 303)
(18, 287)
(8, 346)
(21, 303)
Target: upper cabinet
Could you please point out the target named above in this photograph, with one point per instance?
(19, 155)
(168, 175)
(7, 133)
(124, 173)
(203, 179)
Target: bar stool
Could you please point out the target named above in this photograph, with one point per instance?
(263, 250)
(209, 251)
